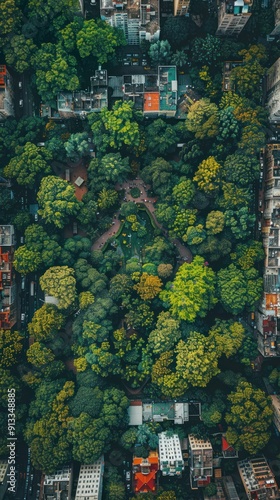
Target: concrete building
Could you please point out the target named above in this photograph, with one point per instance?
(267, 317)
(90, 481)
(200, 461)
(181, 7)
(170, 455)
(139, 20)
(275, 400)
(58, 486)
(233, 16)
(273, 92)
(276, 8)
(6, 93)
(178, 412)
(258, 479)
(8, 314)
(3, 478)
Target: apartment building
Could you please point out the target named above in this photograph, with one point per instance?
(275, 400)
(258, 479)
(6, 93)
(200, 461)
(273, 92)
(8, 314)
(276, 8)
(139, 20)
(90, 481)
(170, 455)
(267, 317)
(233, 15)
(181, 7)
(58, 486)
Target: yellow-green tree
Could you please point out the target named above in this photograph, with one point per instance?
(46, 323)
(10, 347)
(59, 282)
(203, 119)
(208, 175)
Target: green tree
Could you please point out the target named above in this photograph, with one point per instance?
(77, 146)
(164, 270)
(98, 39)
(159, 172)
(59, 282)
(178, 30)
(245, 78)
(161, 138)
(160, 52)
(57, 201)
(238, 289)
(39, 355)
(207, 50)
(215, 222)
(228, 336)
(249, 418)
(87, 400)
(26, 261)
(10, 347)
(228, 125)
(166, 334)
(112, 167)
(180, 58)
(194, 235)
(128, 438)
(183, 193)
(19, 51)
(11, 17)
(107, 198)
(192, 293)
(148, 286)
(240, 169)
(240, 222)
(203, 119)
(55, 69)
(46, 323)
(116, 128)
(29, 165)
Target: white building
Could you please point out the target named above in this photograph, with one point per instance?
(90, 481)
(273, 92)
(170, 455)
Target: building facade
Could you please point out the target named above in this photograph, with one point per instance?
(200, 461)
(233, 15)
(181, 7)
(6, 93)
(273, 92)
(90, 481)
(267, 317)
(58, 486)
(8, 316)
(170, 455)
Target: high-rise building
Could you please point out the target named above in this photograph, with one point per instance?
(258, 479)
(201, 461)
(170, 455)
(90, 481)
(233, 15)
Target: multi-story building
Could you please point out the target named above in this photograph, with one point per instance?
(181, 7)
(275, 399)
(90, 481)
(145, 473)
(267, 317)
(6, 93)
(139, 20)
(8, 315)
(276, 8)
(258, 479)
(233, 16)
(170, 455)
(201, 461)
(178, 412)
(273, 92)
(58, 486)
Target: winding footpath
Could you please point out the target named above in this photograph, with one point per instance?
(149, 202)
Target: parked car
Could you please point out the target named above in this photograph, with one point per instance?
(22, 317)
(128, 475)
(20, 85)
(21, 103)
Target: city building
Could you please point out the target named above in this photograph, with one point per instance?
(273, 92)
(225, 489)
(6, 93)
(200, 461)
(176, 411)
(3, 478)
(90, 481)
(267, 316)
(275, 400)
(233, 15)
(170, 454)
(181, 7)
(58, 486)
(276, 9)
(139, 20)
(258, 479)
(8, 316)
(145, 473)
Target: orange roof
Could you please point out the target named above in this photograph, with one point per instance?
(271, 300)
(145, 482)
(153, 458)
(151, 101)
